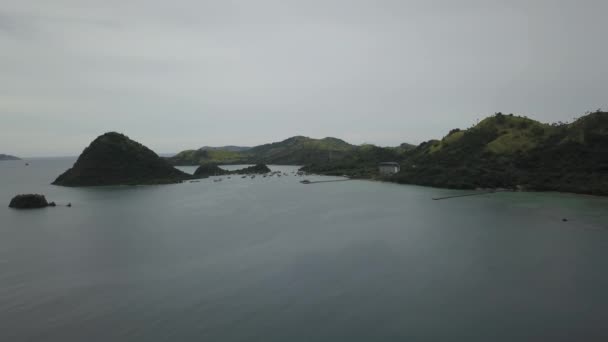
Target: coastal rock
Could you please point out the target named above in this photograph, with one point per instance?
(208, 170)
(256, 169)
(29, 201)
(114, 159)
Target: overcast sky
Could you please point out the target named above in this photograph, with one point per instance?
(182, 74)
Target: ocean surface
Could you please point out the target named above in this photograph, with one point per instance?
(270, 259)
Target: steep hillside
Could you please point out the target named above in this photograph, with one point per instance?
(510, 151)
(361, 161)
(574, 159)
(114, 159)
(502, 151)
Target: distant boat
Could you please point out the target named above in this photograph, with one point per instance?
(306, 181)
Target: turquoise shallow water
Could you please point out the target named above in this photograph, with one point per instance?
(270, 259)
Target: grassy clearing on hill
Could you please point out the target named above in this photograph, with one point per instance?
(502, 151)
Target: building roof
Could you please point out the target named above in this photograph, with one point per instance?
(389, 164)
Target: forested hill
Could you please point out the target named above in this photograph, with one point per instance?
(299, 150)
(507, 151)
(114, 159)
(296, 150)
(502, 151)
(206, 156)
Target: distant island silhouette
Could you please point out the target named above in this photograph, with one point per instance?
(8, 157)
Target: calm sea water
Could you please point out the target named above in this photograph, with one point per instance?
(270, 259)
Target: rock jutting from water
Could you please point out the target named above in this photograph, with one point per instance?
(208, 170)
(257, 169)
(114, 159)
(30, 201)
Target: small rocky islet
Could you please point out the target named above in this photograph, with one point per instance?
(209, 170)
(30, 201)
(205, 171)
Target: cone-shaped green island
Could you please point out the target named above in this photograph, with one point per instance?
(114, 159)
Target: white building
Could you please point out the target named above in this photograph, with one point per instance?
(389, 168)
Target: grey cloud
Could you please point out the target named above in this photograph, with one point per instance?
(180, 74)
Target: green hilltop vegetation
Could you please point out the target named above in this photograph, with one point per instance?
(206, 156)
(361, 162)
(330, 155)
(227, 148)
(299, 150)
(296, 150)
(503, 151)
(403, 147)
